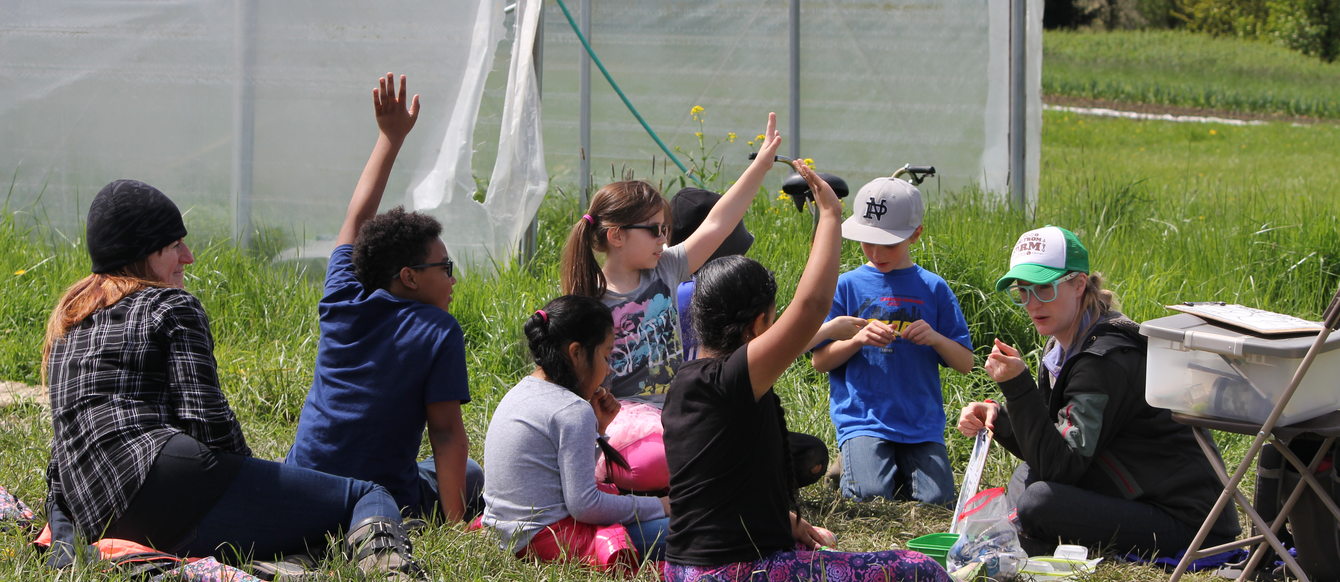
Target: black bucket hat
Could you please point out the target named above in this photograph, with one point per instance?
(688, 210)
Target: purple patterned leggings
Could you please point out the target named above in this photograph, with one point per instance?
(821, 565)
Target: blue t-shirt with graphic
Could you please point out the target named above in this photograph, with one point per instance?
(380, 362)
(893, 393)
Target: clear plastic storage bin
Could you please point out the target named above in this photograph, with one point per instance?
(1204, 369)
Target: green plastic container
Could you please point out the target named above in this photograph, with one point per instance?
(935, 545)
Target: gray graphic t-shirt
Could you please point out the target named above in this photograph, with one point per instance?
(647, 346)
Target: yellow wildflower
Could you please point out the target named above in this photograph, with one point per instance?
(760, 137)
(1214, 132)
(698, 134)
(730, 137)
(809, 162)
(20, 271)
(696, 113)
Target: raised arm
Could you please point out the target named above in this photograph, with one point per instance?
(731, 208)
(394, 121)
(771, 353)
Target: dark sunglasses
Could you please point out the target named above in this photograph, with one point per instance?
(447, 264)
(657, 229)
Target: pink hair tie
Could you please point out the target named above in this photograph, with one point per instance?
(543, 316)
(588, 219)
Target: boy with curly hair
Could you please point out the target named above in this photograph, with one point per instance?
(391, 359)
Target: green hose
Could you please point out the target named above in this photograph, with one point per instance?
(595, 59)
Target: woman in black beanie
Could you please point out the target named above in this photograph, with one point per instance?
(145, 446)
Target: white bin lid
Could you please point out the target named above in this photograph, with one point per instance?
(1196, 333)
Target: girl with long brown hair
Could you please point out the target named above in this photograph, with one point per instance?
(629, 223)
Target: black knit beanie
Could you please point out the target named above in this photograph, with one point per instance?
(130, 220)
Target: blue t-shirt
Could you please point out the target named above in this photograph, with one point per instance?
(684, 299)
(380, 361)
(893, 393)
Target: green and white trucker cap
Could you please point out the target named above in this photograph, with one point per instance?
(1044, 255)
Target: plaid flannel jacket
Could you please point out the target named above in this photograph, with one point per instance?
(123, 382)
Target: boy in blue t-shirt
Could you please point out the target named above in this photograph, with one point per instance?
(885, 396)
(391, 359)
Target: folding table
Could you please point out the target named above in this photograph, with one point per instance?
(1327, 427)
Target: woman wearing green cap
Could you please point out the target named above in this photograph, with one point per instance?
(1101, 467)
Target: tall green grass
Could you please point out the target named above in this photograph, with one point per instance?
(1169, 67)
(1170, 212)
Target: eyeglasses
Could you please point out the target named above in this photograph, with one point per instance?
(1045, 293)
(447, 265)
(657, 229)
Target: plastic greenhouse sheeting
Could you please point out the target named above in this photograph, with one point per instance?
(883, 83)
(256, 113)
(250, 107)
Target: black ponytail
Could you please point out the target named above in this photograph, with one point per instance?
(549, 332)
(567, 319)
(730, 294)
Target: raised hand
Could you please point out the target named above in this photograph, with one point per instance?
(394, 118)
(772, 140)
(394, 121)
(824, 196)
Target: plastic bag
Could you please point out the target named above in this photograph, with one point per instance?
(989, 544)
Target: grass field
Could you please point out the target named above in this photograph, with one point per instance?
(1176, 68)
(1170, 212)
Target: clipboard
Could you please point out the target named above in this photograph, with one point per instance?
(1249, 318)
(972, 475)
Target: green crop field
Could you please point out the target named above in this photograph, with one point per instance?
(1171, 212)
(1181, 69)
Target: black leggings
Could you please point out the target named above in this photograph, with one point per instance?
(1051, 513)
(186, 480)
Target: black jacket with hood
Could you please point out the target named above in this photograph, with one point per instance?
(1094, 430)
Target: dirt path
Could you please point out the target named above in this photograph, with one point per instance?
(1067, 101)
(17, 392)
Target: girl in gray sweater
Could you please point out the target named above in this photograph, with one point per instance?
(540, 451)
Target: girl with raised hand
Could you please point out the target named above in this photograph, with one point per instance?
(145, 447)
(734, 509)
(540, 491)
(629, 222)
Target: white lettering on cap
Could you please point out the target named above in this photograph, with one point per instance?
(1044, 246)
